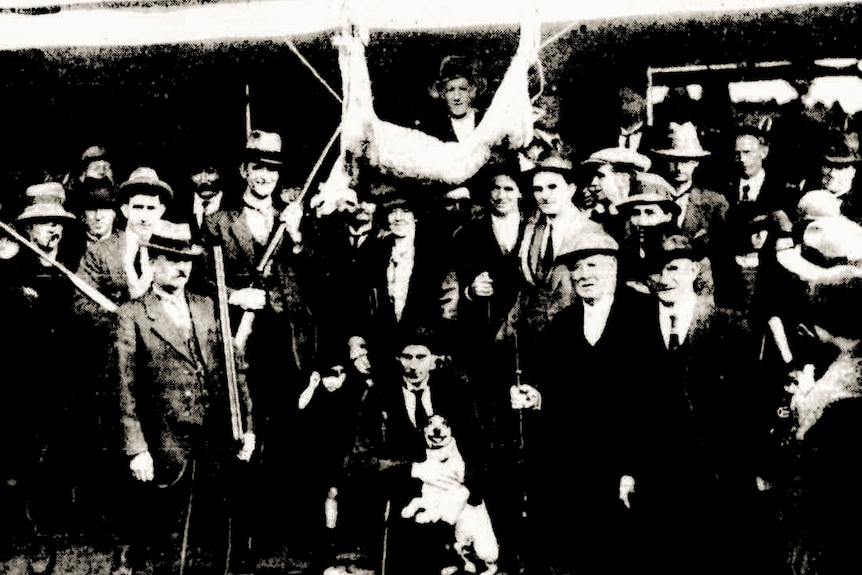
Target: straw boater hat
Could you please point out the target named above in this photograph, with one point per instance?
(145, 181)
(683, 143)
(264, 148)
(621, 158)
(173, 239)
(46, 203)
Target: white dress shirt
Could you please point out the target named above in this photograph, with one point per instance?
(464, 126)
(596, 318)
(410, 400)
(506, 229)
(213, 204)
(398, 273)
(260, 217)
(754, 183)
(683, 311)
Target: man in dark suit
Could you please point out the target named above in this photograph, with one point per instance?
(697, 440)
(206, 197)
(391, 448)
(173, 398)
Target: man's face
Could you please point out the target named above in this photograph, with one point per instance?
(416, 361)
(458, 94)
(614, 185)
(649, 215)
(99, 222)
(681, 171)
(170, 273)
(838, 179)
(363, 214)
(505, 194)
(98, 169)
(46, 235)
(749, 155)
(402, 222)
(676, 280)
(595, 276)
(260, 178)
(552, 192)
(207, 183)
(141, 212)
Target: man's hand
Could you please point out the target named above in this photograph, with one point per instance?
(627, 487)
(359, 354)
(525, 396)
(333, 380)
(292, 217)
(249, 299)
(432, 473)
(482, 286)
(142, 466)
(249, 441)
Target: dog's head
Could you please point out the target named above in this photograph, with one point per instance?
(438, 434)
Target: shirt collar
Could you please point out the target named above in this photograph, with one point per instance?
(263, 206)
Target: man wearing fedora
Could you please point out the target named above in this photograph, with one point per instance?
(116, 265)
(39, 451)
(698, 441)
(613, 172)
(174, 407)
(839, 163)
(702, 212)
(283, 334)
(458, 85)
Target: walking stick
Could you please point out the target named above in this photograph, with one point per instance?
(521, 461)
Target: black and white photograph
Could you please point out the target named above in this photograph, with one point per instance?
(430, 287)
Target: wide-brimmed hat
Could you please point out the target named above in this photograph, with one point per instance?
(588, 244)
(818, 204)
(173, 238)
(650, 188)
(455, 66)
(144, 180)
(46, 203)
(92, 154)
(682, 142)
(622, 158)
(264, 148)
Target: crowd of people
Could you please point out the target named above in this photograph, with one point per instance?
(577, 362)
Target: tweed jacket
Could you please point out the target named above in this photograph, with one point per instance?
(172, 387)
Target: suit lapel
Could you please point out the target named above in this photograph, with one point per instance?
(242, 234)
(201, 322)
(162, 325)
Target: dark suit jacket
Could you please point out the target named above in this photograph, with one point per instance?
(287, 312)
(704, 216)
(477, 251)
(170, 387)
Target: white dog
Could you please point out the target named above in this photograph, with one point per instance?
(475, 541)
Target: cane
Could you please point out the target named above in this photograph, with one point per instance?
(385, 536)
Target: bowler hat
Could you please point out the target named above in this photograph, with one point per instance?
(263, 148)
(146, 181)
(173, 238)
(588, 244)
(623, 158)
(682, 142)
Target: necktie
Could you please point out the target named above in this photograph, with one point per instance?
(420, 414)
(203, 214)
(548, 256)
(673, 339)
(746, 189)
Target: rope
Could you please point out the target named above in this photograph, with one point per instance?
(308, 65)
